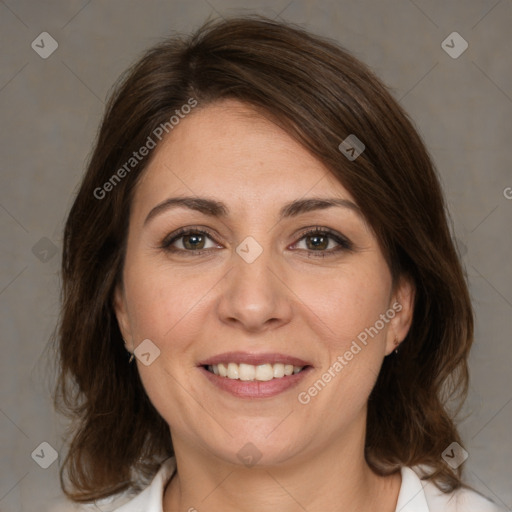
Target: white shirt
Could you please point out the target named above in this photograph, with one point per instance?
(415, 496)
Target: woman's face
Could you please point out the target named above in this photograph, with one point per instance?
(263, 279)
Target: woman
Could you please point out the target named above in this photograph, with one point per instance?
(263, 307)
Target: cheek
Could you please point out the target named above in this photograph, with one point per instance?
(343, 311)
(160, 300)
(344, 303)
(165, 308)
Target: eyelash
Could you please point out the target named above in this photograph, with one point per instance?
(344, 243)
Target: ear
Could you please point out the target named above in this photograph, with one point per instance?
(402, 303)
(122, 316)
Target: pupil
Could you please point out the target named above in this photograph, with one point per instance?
(318, 241)
(192, 241)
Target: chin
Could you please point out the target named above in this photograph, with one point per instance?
(253, 448)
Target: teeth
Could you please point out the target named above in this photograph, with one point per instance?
(246, 371)
(223, 370)
(249, 372)
(278, 370)
(264, 372)
(233, 371)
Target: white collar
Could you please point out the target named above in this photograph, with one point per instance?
(150, 499)
(412, 495)
(410, 499)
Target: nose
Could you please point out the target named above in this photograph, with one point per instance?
(254, 295)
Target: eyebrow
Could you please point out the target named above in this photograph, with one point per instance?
(215, 208)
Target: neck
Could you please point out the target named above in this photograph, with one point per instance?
(335, 478)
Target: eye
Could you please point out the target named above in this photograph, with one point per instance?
(322, 242)
(318, 242)
(189, 240)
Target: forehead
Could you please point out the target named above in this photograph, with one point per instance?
(231, 151)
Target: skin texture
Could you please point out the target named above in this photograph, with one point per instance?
(288, 300)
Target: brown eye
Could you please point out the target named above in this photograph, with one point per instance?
(316, 242)
(323, 242)
(189, 241)
(193, 242)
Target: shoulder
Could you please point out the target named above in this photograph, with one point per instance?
(416, 495)
(425, 496)
(148, 500)
(461, 500)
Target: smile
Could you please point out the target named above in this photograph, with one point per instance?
(249, 372)
(252, 375)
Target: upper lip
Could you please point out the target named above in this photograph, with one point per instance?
(253, 359)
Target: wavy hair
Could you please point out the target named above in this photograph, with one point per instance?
(319, 93)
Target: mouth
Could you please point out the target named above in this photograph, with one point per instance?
(246, 375)
(250, 373)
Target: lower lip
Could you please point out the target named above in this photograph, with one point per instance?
(255, 389)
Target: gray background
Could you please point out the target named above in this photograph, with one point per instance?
(50, 111)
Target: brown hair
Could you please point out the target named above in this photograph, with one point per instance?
(319, 94)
